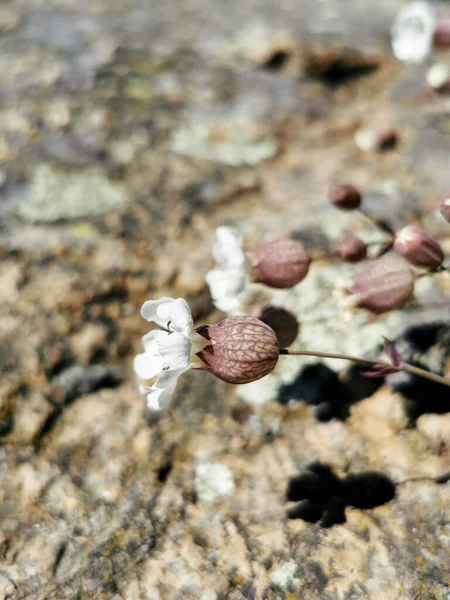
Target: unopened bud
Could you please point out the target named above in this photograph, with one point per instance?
(241, 349)
(444, 207)
(374, 139)
(383, 285)
(280, 264)
(351, 249)
(418, 247)
(442, 33)
(283, 322)
(344, 196)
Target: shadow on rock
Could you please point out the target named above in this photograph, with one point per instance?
(323, 497)
(426, 346)
(320, 386)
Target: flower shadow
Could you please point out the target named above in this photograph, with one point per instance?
(320, 386)
(322, 496)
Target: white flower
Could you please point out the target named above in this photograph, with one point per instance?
(412, 32)
(438, 75)
(230, 277)
(167, 353)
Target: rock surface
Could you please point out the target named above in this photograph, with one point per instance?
(156, 124)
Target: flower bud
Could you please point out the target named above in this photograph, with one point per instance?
(418, 247)
(351, 249)
(383, 285)
(280, 264)
(444, 207)
(442, 33)
(283, 322)
(344, 196)
(241, 349)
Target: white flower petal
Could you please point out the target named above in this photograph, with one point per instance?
(150, 339)
(160, 394)
(167, 353)
(148, 364)
(169, 377)
(225, 285)
(153, 399)
(227, 251)
(176, 351)
(412, 32)
(181, 317)
(227, 303)
(153, 396)
(155, 310)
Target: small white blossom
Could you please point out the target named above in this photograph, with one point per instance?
(230, 277)
(438, 75)
(168, 353)
(412, 32)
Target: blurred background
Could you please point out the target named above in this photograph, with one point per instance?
(128, 132)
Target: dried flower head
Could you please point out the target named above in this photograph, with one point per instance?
(283, 322)
(419, 247)
(444, 207)
(239, 349)
(344, 196)
(351, 249)
(279, 264)
(383, 285)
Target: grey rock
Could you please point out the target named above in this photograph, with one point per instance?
(60, 194)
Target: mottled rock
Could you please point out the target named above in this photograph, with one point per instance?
(213, 482)
(229, 118)
(90, 340)
(56, 194)
(9, 19)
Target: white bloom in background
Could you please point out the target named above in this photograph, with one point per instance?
(412, 32)
(169, 353)
(438, 75)
(230, 277)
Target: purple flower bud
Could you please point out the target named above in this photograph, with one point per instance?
(383, 285)
(280, 264)
(418, 247)
(344, 196)
(442, 33)
(241, 349)
(283, 322)
(444, 207)
(351, 249)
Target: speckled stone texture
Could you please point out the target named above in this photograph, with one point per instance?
(184, 116)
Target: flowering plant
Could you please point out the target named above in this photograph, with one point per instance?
(236, 350)
(242, 349)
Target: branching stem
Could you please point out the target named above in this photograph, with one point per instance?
(371, 361)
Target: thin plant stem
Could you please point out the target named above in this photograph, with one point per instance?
(406, 367)
(384, 227)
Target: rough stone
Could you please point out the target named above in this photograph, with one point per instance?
(213, 483)
(56, 194)
(146, 129)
